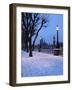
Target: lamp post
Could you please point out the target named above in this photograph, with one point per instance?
(53, 41)
(57, 50)
(57, 29)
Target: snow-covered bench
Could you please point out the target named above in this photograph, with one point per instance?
(58, 51)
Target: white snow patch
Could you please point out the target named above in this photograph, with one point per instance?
(41, 64)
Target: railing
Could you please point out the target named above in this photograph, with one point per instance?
(55, 51)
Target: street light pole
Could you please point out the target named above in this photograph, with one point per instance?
(57, 39)
(57, 50)
(57, 29)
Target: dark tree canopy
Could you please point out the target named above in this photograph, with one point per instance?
(32, 23)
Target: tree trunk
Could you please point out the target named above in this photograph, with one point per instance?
(35, 40)
(30, 47)
(26, 46)
(37, 35)
(26, 40)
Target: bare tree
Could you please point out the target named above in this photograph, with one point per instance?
(41, 22)
(32, 23)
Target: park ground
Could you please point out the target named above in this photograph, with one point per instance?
(41, 64)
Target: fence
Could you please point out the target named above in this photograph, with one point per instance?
(50, 50)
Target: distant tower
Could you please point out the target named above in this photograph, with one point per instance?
(54, 41)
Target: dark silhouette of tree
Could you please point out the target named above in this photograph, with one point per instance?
(32, 23)
(27, 32)
(40, 22)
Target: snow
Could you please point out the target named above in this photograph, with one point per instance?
(41, 64)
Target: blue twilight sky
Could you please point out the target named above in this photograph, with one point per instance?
(50, 31)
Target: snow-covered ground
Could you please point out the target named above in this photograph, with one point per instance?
(41, 64)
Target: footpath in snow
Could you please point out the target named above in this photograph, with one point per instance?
(41, 64)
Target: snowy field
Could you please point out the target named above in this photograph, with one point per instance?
(41, 64)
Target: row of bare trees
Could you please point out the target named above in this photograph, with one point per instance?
(32, 23)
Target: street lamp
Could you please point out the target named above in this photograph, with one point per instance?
(57, 29)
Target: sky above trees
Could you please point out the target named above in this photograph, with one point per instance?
(48, 32)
